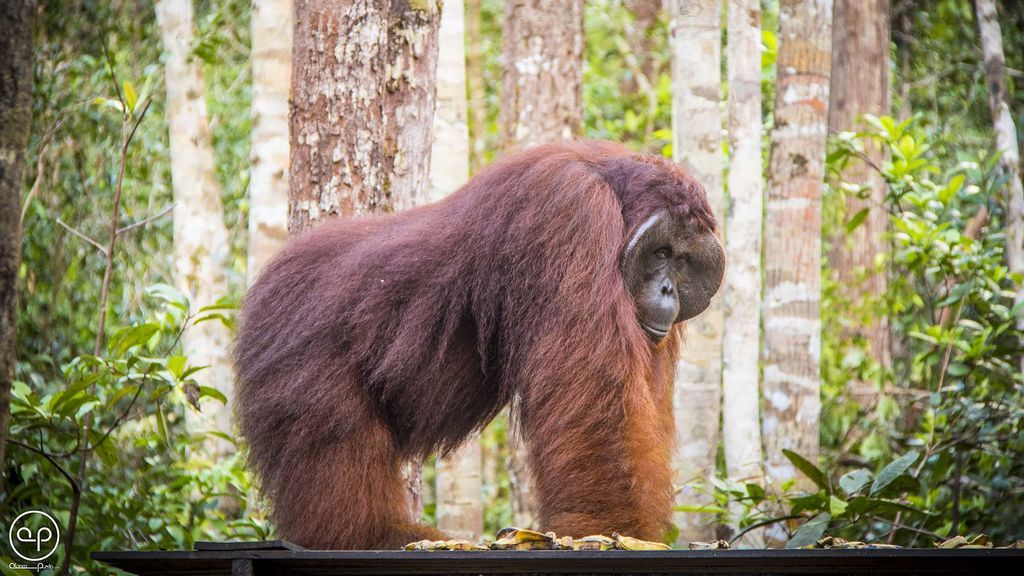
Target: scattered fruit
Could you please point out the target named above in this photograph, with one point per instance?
(716, 545)
(522, 539)
(597, 542)
(627, 543)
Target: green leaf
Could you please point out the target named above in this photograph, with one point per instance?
(58, 402)
(109, 102)
(810, 470)
(811, 502)
(696, 509)
(857, 219)
(956, 183)
(907, 146)
(21, 391)
(863, 505)
(169, 295)
(134, 336)
(836, 506)
(854, 480)
(755, 491)
(175, 365)
(87, 406)
(213, 393)
(161, 425)
(192, 370)
(107, 452)
(128, 389)
(228, 322)
(130, 97)
(221, 304)
(893, 471)
(810, 532)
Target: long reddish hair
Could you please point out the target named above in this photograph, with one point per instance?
(370, 341)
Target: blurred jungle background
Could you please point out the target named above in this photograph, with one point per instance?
(860, 375)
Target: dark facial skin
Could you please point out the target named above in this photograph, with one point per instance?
(671, 270)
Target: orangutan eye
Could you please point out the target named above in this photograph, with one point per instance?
(665, 253)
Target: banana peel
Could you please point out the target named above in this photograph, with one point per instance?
(437, 545)
(627, 543)
(523, 539)
(716, 545)
(596, 542)
(513, 538)
(959, 542)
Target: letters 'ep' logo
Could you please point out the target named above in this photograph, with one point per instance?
(34, 535)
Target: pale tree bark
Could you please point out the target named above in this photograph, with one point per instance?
(542, 101)
(696, 39)
(271, 80)
(741, 340)
(860, 85)
(792, 244)
(459, 508)
(362, 112)
(1006, 139)
(362, 107)
(200, 237)
(17, 19)
(449, 158)
(543, 81)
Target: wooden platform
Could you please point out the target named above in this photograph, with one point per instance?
(283, 559)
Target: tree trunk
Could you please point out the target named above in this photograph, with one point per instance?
(449, 166)
(475, 85)
(362, 96)
(645, 14)
(860, 85)
(741, 349)
(362, 107)
(271, 80)
(542, 101)
(200, 237)
(17, 19)
(543, 81)
(901, 12)
(792, 246)
(459, 508)
(696, 39)
(1006, 139)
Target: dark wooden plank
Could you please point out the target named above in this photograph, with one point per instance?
(241, 567)
(203, 545)
(780, 562)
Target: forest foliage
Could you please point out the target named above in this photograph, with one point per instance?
(937, 451)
